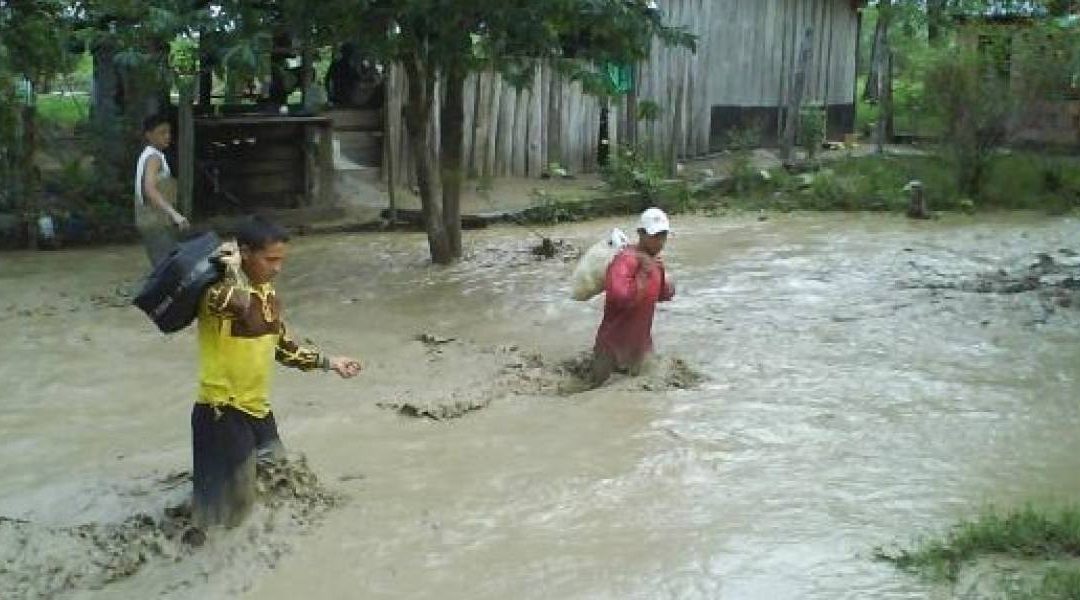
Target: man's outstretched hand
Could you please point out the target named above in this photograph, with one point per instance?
(346, 367)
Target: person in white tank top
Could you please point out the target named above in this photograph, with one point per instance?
(158, 221)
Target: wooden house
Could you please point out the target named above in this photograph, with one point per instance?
(739, 79)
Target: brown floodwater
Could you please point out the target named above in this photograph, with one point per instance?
(846, 405)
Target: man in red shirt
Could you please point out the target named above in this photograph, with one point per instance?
(635, 282)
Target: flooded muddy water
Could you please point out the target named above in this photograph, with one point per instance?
(825, 384)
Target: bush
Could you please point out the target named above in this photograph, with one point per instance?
(632, 171)
(974, 102)
(740, 142)
(811, 134)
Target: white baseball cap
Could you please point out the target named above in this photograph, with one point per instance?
(654, 221)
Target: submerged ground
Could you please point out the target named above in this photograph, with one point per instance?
(863, 380)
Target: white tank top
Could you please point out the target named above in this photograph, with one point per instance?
(164, 173)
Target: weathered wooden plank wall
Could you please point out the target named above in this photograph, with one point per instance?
(745, 59)
(676, 80)
(507, 131)
(753, 49)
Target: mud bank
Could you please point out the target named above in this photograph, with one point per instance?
(1053, 277)
(524, 372)
(847, 404)
(42, 561)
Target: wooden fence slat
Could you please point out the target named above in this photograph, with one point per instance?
(493, 125)
(480, 127)
(533, 135)
(520, 142)
(503, 149)
(545, 116)
(469, 126)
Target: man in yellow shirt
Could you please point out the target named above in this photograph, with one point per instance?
(240, 331)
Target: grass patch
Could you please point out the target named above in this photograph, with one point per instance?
(1029, 534)
(553, 210)
(1059, 583)
(63, 110)
(634, 183)
(871, 183)
(1016, 181)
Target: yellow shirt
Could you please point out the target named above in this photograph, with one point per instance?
(240, 333)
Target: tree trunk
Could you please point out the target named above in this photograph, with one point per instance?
(935, 21)
(675, 144)
(103, 107)
(888, 104)
(794, 106)
(632, 110)
(418, 108)
(186, 151)
(307, 79)
(206, 75)
(554, 120)
(881, 38)
(883, 68)
(390, 148)
(452, 139)
(28, 175)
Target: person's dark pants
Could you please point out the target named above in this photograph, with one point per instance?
(604, 365)
(226, 445)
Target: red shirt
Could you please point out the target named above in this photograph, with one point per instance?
(633, 287)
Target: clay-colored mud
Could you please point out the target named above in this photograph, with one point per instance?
(824, 385)
(39, 560)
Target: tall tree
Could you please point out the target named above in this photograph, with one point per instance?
(33, 49)
(935, 21)
(439, 42)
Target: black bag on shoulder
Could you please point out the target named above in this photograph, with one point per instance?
(170, 296)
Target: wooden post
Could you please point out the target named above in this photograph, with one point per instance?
(27, 176)
(307, 76)
(103, 106)
(917, 208)
(613, 131)
(310, 163)
(391, 177)
(186, 150)
(205, 76)
(326, 162)
(632, 107)
(791, 120)
(884, 124)
(391, 119)
(555, 122)
(676, 127)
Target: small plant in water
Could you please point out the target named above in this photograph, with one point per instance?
(1028, 534)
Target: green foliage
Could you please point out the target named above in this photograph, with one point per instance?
(648, 111)
(632, 170)
(741, 139)
(811, 133)
(552, 210)
(33, 50)
(1032, 181)
(974, 103)
(740, 142)
(63, 110)
(1028, 533)
(1058, 583)
(871, 183)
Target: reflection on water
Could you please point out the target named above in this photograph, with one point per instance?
(844, 408)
